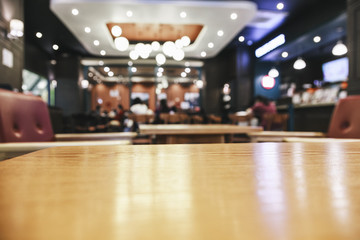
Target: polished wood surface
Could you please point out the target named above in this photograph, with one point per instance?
(183, 129)
(95, 136)
(279, 136)
(194, 133)
(272, 191)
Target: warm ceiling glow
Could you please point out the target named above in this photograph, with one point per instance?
(39, 35)
(75, 12)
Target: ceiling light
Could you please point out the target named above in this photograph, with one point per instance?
(55, 47)
(185, 41)
(159, 74)
(160, 59)
(178, 43)
(130, 63)
(233, 16)
(187, 70)
(106, 69)
(284, 54)
(133, 69)
(249, 42)
(178, 54)
(121, 43)
(84, 83)
(116, 31)
(54, 83)
(299, 64)
(199, 84)
(183, 74)
(210, 45)
(160, 69)
(75, 12)
(269, 46)
(96, 43)
(87, 29)
(268, 82)
(203, 54)
(317, 39)
(274, 73)
(90, 74)
(101, 63)
(339, 49)
(280, 6)
(144, 55)
(53, 62)
(110, 74)
(155, 45)
(183, 14)
(103, 52)
(16, 28)
(220, 33)
(39, 35)
(241, 39)
(187, 64)
(129, 13)
(134, 55)
(169, 48)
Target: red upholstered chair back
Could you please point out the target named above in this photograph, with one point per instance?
(345, 120)
(23, 118)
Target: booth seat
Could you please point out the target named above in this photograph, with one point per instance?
(344, 126)
(25, 119)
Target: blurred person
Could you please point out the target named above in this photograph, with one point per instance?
(261, 106)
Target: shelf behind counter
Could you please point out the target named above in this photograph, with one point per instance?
(308, 117)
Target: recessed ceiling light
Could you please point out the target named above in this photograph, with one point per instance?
(284, 54)
(110, 74)
(183, 14)
(317, 39)
(106, 69)
(159, 74)
(187, 64)
(183, 74)
(241, 39)
(101, 63)
(87, 29)
(96, 43)
(220, 33)
(39, 35)
(210, 45)
(187, 70)
(203, 54)
(130, 63)
(116, 31)
(233, 16)
(129, 13)
(160, 69)
(55, 47)
(103, 52)
(133, 69)
(74, 11)
(53, 62)
(280, 6)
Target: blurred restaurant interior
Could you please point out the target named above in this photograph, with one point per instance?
(68, 54)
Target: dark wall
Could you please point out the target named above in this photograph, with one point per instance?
(37, 61)
(234, 65)
(68, 95)
(11, 9)
(354, 45)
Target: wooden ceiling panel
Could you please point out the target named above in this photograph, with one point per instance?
(145, 32)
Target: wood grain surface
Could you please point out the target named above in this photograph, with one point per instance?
(249, 191)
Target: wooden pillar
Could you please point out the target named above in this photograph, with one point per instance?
(353, 42)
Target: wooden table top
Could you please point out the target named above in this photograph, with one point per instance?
(95, 136)
(181, 129)
(286, 134)
(290, 191)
